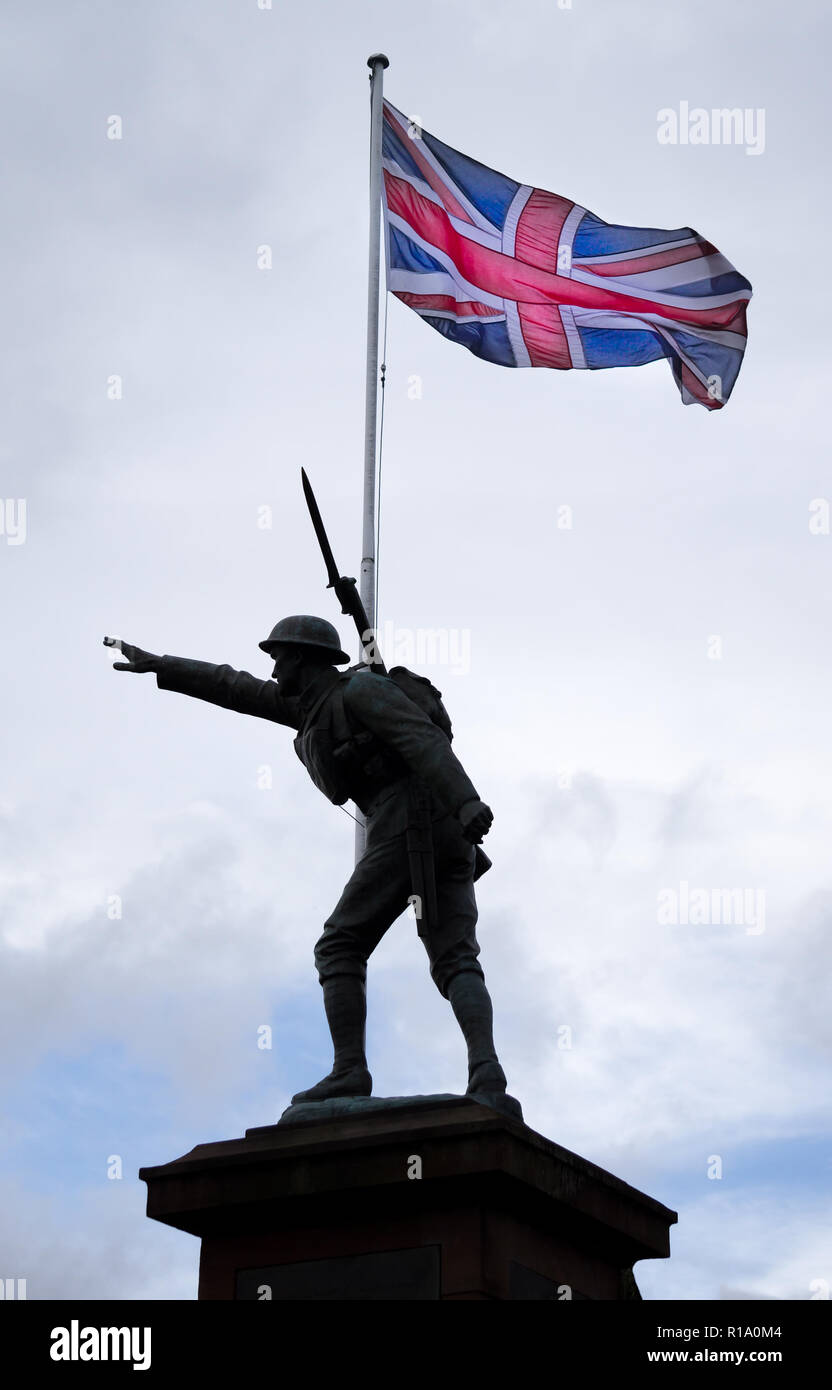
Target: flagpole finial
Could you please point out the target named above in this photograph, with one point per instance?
(378, 58)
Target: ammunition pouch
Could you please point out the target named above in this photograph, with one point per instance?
(367, 766)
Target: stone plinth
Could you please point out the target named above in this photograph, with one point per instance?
(444, 1198)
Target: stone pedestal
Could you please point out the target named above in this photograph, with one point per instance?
(441, 1198)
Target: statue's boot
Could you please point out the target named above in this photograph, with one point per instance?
(345, 1001)
(486, 1076)
(355, 1082)
(471, 1004)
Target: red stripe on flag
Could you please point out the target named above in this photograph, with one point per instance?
(738, 323)
(505, 277)
(639, 265)
(694, 385)
(539, 227)
(464, 308)
(429, 174)
(544, 335)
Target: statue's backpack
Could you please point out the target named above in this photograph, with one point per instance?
(419, 689)
(424, 694)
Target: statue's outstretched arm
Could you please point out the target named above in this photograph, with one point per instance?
(220, 685)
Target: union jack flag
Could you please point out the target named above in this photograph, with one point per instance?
(526, 278)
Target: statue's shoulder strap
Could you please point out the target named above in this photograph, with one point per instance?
(336, 691)
(343, 727)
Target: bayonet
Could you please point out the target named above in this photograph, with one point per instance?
(346, 589)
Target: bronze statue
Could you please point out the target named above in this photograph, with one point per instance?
(362, 738)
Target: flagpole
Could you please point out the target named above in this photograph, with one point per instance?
(377, 62)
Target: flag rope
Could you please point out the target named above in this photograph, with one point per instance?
(383, 377)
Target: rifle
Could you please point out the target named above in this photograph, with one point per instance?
(345, 589)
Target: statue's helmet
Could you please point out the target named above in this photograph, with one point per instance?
(301, 630)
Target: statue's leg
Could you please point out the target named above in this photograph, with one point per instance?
(471, 1004)
(453, 950)
(345, 1002)
(374, 897)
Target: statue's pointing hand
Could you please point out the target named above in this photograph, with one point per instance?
(137, 659)
(476, 819)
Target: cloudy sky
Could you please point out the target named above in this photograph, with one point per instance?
(641, 698)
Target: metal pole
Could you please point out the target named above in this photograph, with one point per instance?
(377, 62)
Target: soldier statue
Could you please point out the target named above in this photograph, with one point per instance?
(362, 738)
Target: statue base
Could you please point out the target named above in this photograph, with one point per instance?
(406, 1198)
(307, 1112)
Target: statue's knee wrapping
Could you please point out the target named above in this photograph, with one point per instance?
(442, 976)
(336, 955)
